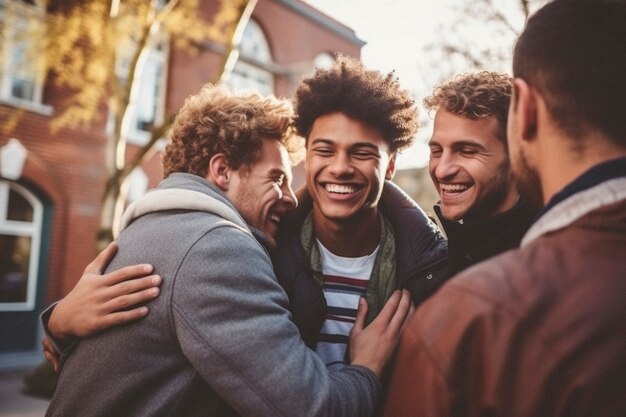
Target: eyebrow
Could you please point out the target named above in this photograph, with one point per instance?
(460, 143)
(278, 172)
(354, 145)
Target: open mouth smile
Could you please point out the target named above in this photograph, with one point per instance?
(274, 217)
(453, 188)
(340, 188)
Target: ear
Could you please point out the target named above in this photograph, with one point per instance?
(219, 171)
(525, 105)
(391, 168)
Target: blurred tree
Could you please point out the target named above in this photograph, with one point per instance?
(479, 35)
(96, 50)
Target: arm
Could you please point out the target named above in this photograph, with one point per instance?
(98, 302)
(234, 327)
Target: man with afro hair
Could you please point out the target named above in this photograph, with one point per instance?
(355, 234)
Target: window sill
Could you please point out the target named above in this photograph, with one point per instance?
(43, 109)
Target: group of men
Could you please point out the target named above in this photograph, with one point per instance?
(274, 303)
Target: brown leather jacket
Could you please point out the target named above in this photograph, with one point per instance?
(537, 331)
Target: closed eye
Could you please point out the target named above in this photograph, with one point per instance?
(323, 151)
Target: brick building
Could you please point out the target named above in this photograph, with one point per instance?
(51, 183)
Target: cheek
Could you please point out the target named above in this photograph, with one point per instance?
(432, 166)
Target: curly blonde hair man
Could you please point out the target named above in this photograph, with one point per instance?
(219, 121)
(474, 96)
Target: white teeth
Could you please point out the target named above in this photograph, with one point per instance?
(341, 189)
(453, 187)
(274, 218)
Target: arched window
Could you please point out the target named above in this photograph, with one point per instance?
(21, 216)
(254, 51)
(149, 92)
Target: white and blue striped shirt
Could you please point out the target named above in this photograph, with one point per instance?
(345, 281)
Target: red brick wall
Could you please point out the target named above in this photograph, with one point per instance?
(68, 166)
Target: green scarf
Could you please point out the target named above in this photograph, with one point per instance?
(382, 282)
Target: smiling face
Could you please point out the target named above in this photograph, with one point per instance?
(347, 162)
(469, 167)
(262, 193)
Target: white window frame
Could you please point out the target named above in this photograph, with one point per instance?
(8, 71)
(155, 55)
(246, 76)
(19, 228)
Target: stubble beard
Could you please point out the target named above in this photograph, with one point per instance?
(500, 185)
(527, 181)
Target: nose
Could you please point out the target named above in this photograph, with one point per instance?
(444, 166)
(288, 197)
(341, 165)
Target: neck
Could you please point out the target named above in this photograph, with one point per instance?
(561, 168)
(354, 237)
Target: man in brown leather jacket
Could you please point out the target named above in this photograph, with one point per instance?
(539, 331)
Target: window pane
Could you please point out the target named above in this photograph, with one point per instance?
(14, 260)
(149, 91)
(247, 76)
(24, 89)
(22, 71)
(19, 208)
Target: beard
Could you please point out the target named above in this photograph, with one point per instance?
(499, 187)
(527, 181)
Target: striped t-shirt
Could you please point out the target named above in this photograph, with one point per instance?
(345, 281)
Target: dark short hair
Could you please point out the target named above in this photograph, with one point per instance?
(218, 121)
(366, 95)
(574, 53)
(474, 96)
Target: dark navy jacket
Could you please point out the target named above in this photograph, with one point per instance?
(473, 241)
(421, 258)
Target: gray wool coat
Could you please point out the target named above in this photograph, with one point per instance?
(218, 341)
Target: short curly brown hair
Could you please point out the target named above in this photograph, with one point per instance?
(366, 95)
(218, 121)
(474, 96)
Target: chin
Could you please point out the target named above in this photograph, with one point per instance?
(452, 215)
(270, 243)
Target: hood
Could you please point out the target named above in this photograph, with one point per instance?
(174, 193)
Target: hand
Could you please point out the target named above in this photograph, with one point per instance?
(98, 302)
(51, 354)
(373, 345)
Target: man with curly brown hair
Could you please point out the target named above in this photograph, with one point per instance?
(219, 340)
(480, 208)
(356, 234)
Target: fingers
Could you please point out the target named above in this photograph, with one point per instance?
(402, 311)
(127, 274)
(388, 311)
(135, 297)
(51, 354)
(98, 265)
(409, 314)
(122, 317)
(361, 313)
(133, 286)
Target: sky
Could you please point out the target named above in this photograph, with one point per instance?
(398, 34)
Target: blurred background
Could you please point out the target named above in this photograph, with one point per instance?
(88, 90)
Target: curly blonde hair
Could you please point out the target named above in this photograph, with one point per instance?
(474, 96)
(366, 95)
(218, 121)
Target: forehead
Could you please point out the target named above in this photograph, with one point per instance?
(274, 157)
(342, 130)
(450, 129)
